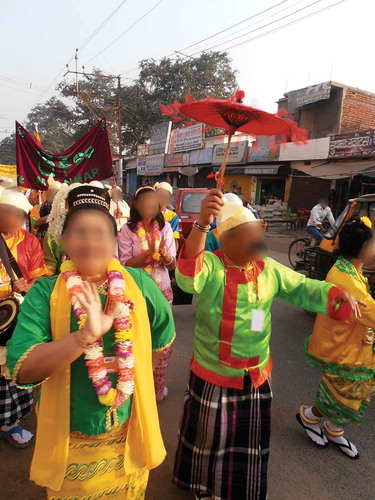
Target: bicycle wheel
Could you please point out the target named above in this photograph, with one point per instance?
(296, 252)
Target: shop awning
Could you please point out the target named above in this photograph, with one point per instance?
(339, 169)
(258, 169)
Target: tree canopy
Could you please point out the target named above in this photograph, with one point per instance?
(65, 118)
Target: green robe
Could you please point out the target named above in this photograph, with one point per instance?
(87, 415)
(227, 344)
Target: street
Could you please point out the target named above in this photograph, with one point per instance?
(298, 469)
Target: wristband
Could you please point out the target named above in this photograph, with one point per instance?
(203, 229)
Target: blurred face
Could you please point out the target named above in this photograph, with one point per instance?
(147, 204)
(164, 197)
(89, 240)
(11, 219)
(34, 198)
(323, 203)
(367, 254)
(116, 195)
(245, 243)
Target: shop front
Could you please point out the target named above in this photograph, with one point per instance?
(258, 183)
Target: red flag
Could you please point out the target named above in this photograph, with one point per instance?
(88, 159)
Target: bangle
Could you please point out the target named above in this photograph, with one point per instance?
(169, 263)
(203, 229)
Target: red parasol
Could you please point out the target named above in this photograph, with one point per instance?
(232, 115)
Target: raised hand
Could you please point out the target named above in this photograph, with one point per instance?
(211, 207)
(98, 322)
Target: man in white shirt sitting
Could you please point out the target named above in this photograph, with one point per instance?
(318, 215)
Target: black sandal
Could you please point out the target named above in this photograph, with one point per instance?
(319, 434)
(343, 447)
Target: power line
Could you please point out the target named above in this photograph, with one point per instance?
(235, 25)
(126, 31)
(296, 21)
(220, 32)
(21, 83)
(81, 47)
(254, 24)
(101, 26)
(264, 26)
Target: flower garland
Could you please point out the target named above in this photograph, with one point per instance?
(94, 355)
(152, 263)
(154, 259)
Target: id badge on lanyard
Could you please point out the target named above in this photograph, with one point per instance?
(257, 320)
(111, 364)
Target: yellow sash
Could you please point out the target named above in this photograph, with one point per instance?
(144, 445)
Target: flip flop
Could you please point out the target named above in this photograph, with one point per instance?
(345, 446)
(8, 436)
(306, 427)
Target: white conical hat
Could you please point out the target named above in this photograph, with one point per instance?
(16, 199)
(164, 185)
(233, 214)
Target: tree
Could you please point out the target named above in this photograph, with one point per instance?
(63, 120)
(210, 74)
(8, 150)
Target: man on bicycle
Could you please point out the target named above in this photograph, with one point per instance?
(318, 215)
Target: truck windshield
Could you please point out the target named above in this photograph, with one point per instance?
(191, 203)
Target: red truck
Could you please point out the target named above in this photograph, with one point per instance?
(187, 203)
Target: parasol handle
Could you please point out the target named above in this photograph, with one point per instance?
(219, 177)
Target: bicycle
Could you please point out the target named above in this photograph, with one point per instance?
(297, 249)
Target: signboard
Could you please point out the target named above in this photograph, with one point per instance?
(201, 156)
(159, 138)
(87, 160)
(176, 160)
(237, 154)
(142, 150)
(150, 165)
(354, 144)
(262, 152)
(308, 95)
(261, 170)
(314, 149)
(188, 138)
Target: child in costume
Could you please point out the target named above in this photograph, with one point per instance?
(224, 437)
(344, 352)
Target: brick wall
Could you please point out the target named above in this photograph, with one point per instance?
(306, 191)
(358, 111)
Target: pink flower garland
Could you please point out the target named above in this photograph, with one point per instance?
(94, 355)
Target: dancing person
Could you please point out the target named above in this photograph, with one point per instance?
(344, 352)
(223, 447)
(118, 207)
(15, 403)
(165, 192)
(41, 225)
(87, 336)
(318, 215)
(147, 242)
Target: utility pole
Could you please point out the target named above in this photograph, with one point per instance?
(117, 108)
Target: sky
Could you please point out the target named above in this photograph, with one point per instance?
(40, 37)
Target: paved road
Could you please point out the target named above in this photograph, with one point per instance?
(297, 468)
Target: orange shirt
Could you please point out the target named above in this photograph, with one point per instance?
(28, 253)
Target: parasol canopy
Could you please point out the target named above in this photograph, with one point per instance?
(234, 116)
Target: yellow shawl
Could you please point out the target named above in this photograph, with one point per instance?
(144, 445)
